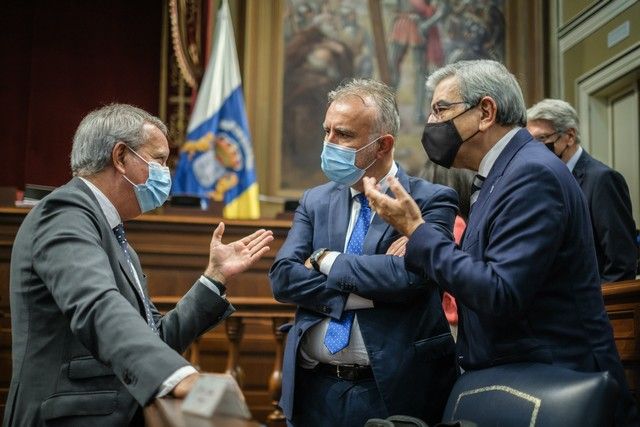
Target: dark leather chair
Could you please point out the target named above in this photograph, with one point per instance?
(532, 394)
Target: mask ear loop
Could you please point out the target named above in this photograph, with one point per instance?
(362, 148)
(141, 158)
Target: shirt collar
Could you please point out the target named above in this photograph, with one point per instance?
(384, 185)
(110, 211)
(574, 159)
(492, 155)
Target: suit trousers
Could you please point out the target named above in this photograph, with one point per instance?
(322, 400)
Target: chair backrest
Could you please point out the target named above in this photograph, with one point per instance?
(532, 394)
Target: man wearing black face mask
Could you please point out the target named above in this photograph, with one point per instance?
(525, 277)
(555, 123)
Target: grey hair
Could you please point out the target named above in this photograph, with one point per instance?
(101, 129)
(388, 118)
(484, 77)
(560, 113)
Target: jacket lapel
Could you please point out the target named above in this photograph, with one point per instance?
(339, 213)
(115, 246)
(379, 228)
(581, 166)
(493, 180)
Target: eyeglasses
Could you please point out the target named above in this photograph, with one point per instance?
(440, 107)
(546, 139)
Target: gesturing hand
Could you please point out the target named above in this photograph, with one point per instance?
(235, 257)
(184, 387)
(402, 212)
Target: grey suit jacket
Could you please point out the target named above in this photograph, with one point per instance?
(83, 353)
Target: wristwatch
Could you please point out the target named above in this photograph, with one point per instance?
(315, 256)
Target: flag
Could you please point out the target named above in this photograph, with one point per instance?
(217, 159)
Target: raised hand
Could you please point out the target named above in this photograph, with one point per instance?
(402, 212)
(235, 257)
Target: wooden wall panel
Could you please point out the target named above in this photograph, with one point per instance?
(61, 60)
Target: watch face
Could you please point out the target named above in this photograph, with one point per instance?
(315, 256)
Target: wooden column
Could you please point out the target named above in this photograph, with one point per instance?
(235, 329)
(276, 418)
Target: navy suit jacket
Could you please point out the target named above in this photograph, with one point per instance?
(406, 334)
(614, 230)
(525, 278)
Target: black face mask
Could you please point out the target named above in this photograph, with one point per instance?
(552, 146)
(442, 141)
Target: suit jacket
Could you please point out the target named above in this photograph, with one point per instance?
(525, 280)
(406, 335)
(83, 353)
(614, 230)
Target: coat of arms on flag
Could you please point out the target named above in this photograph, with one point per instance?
(216, 162)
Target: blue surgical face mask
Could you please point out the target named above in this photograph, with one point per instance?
(339, 163)
(154, 192)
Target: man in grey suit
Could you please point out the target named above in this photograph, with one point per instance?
(555, 123)
(89, 347)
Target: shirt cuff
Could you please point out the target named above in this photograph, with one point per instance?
(211, 285)
(327, 261)
(170, 383)
(356, 302)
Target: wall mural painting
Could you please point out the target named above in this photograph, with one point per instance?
(397, 41)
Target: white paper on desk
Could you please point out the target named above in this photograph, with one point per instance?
(216, 394)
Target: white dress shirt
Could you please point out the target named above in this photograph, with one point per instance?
(574, 159)
(492, 155)
(312, 348)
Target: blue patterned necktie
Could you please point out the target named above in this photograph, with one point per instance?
(118, 230)
(338, 331)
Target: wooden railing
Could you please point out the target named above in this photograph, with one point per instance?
(622, 301)
(248, 308)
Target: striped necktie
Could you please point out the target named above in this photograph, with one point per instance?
(118, 230)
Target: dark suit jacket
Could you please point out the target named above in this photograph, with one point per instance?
(525, 279)
(614, 230)
(83, 353)
(406, 335)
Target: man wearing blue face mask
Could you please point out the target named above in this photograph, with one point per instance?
(370, 339)
(89, 347)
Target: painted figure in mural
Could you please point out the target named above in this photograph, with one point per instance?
(314, 64)
(476, 30)
(324, 44)
(414, 29)
(355, 36)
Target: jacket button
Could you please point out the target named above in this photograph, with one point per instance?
(299, 332)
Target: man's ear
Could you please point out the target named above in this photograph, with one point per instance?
(386, 145)
(571, 133)
(118, 155)
(489, 111)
